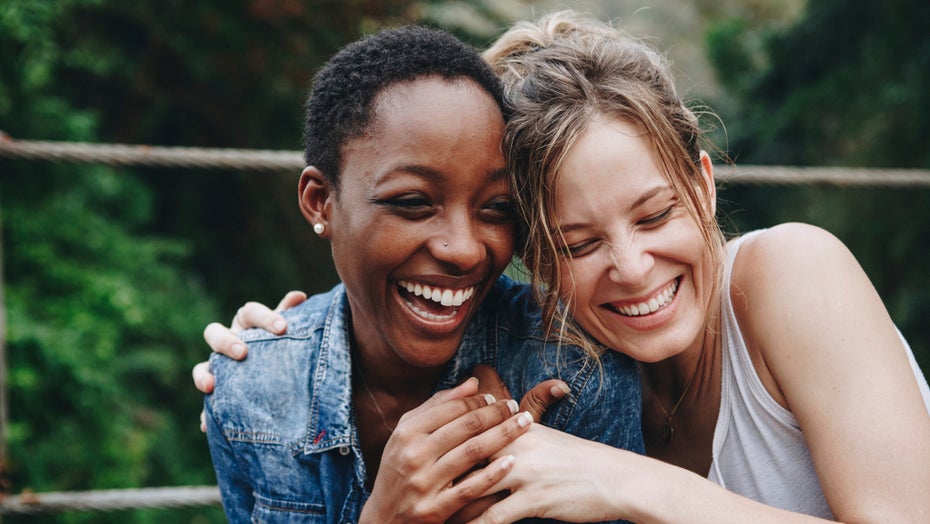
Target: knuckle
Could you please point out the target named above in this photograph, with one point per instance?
(471, 403)
(472, 422)
(473, 451)
(418, 485)
(467, 493)
(424, 511)
(536, 403)
(404, 432)
(510, 430)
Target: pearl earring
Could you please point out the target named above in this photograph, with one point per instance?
(319, 228)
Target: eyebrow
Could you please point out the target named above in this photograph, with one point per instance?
(498, 174)
(645, 197)
(433, 175)
(648, 195)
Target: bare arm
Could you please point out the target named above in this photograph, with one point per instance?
(837, 363)
(829, 353)
(560, 476)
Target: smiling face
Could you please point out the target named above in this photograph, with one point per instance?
(422, 224)
(639, 266)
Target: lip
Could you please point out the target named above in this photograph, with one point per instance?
(440, 316)
(445, 296)
(661, 306)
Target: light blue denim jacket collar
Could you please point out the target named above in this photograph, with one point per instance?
(332, 383)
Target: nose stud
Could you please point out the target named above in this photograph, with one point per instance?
(445, 244)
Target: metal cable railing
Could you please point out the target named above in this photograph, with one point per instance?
(110, 500)
(257, 159)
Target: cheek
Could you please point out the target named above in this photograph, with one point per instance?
(578, 283)
(500, 241)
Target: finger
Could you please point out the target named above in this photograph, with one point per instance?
(203, 379)
(490, 381)
(485, 478)
(475, 508)
(477, 449)
(471, 422)
(509, 509)
(546, 393)
(291, 299)
(224, 341)
(465, 389)
(444, 436)
(203, 422)
(257, 315)
(437, 416)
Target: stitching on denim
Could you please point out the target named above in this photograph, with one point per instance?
(316, 509)
(258, 437)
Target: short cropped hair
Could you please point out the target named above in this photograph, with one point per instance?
(339, 106)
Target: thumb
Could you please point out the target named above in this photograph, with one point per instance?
(543, 395)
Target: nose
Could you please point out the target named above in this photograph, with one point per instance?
(459, 244)
(630, 263)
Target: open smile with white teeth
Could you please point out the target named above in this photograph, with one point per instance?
(655, 303)
(444, 297)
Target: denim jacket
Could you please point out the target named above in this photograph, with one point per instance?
(281, 426)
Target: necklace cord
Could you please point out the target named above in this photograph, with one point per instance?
(371, 396)
(668, 431)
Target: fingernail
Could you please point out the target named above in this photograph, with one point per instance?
(507, 462)
(560, 390)
(513, 406)
(237, 350)
(279, 325)
(524, 419)
(489, 398)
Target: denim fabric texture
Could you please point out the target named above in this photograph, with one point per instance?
(281, 425)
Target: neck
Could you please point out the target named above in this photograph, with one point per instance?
(389, 377)
(668, 379)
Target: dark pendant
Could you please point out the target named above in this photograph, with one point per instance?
(668, 433)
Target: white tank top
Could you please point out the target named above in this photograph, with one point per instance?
(759, 450)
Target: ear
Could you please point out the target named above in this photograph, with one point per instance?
(315, 196)
(710, 188)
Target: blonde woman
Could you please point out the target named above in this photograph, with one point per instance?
(770, 365)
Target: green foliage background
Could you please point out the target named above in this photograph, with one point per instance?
(110, 274)
(844, 86)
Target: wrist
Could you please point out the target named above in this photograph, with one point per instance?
(655, 491)
(624, 491)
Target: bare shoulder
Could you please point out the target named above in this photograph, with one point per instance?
(792, 285)
(792, 241)
(789, 256)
